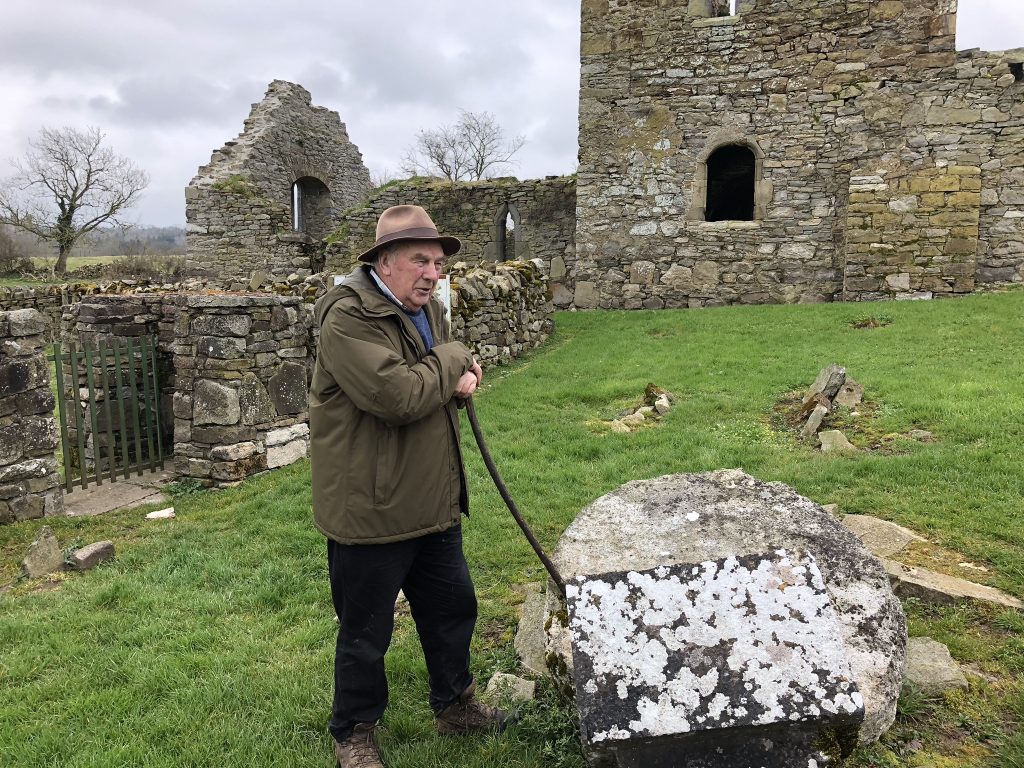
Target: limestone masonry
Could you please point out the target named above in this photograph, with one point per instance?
(266, 199)
(29, 483)
(542, 215)
(807, 151)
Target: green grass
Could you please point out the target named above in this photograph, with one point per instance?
(208, 641)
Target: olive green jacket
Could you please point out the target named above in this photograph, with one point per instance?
(384, 428)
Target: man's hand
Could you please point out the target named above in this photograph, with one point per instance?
(469, 381)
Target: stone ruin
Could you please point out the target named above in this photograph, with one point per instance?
(804, 151)
(497, 220)
(714, 620)
(268, 198)
(785, 152)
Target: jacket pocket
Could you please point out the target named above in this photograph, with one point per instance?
(387, 466)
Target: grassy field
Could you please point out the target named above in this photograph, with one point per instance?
(208, 641)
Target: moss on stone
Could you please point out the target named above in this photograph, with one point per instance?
(236, 184)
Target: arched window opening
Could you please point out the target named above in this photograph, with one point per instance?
(730, 184)
(311, 207)
(506, 234)
(510, 237)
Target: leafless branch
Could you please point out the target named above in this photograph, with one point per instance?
(67, 185)
(473, 148)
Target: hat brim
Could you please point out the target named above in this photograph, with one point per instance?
(450, 245)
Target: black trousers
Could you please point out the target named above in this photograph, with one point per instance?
(365, 579)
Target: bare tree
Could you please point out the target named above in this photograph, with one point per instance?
(67, 185)
(473, 148)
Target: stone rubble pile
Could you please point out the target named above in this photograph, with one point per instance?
(656, 403)
(830, 389)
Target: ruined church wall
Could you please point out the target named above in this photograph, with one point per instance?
(474, 212)
(239, 205)
(934, 145)
(886, 161)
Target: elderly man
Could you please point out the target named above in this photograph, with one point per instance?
(389, 488)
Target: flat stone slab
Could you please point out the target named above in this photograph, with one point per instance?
(727, 646)
(710, 516)
(931, 669)
(933, 587)
(883, 538)
(530, 639)
(134, 491)
(834, 441)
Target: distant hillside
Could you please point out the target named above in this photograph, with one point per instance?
(137, 241)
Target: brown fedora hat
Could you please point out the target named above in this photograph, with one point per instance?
(408, 222)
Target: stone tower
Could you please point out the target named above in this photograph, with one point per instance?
(793, 150)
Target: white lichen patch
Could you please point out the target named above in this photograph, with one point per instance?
(737, 642)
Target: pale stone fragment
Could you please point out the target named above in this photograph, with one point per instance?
(883, 538)
(529, 640)
(505, 686)
(44, 555)
(834, 441)
(931, 669)
(289, 453)
(941, 589)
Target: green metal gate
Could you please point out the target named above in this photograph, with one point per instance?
(108, 407)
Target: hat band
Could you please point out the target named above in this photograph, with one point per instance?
(413, 233)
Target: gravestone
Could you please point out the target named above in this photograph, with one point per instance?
(708, 518)
(743, 652)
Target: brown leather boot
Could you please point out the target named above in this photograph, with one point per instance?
(360, 749)
(470, 714)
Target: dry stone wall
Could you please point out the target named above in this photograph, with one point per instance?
(500, 311)
(239, 207)
(543, 212)
(29, 482)
(885, 164)
(234, 367)
(240, 403)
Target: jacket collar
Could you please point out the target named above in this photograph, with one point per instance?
(360, 283)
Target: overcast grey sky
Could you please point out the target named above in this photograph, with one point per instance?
(169, 82)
